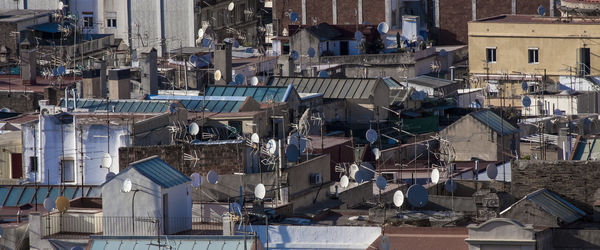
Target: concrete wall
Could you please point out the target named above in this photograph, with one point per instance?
(471, 138)
(557, 238)
(20, 101)
(301, 192)
(527, 212)
(317, 237)
(179, 210)
(501, 234)
(354, 196)
(15, 237)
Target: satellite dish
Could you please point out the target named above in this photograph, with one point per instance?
(106, 160)
(358, 35)
(492, 171)
(398, 198)
(417, 195)
(272, 147)
(240, 79)
(231, 6)
(443, 53)
(62, 204)
(435, 176)
(294, 16)
(377, 153)
(254, 81)
(127, 185)
(381, 182)
(196, 180)
(541, 10)
(292, 153)
(557, 112)
(344, 181)
(311, 52)
(371, 135)
(524, 85)
(259, 191)
(255, 138)
(61, 5)
(526, 101)
(194, 128)
(384, 243)
(205, 42)
(450, 185)
(217, 75)
(200, 33)
(294, 55)
(212, 177)
(369, 171)
(323, 74)
(49, 204)
(383, 28)
(250, 50)
(235, 207)
(361, 176)
(353, 169)
(110, 175)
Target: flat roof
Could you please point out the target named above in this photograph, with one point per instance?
(535, 19)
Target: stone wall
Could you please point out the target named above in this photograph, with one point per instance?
(20, 101)
(574, 181)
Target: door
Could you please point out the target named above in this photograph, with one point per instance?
(165, 213)
(16, 165)
(344, 48)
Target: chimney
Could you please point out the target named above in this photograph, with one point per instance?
(28, 64)
(222, 62)
(92, 86)
(119, 86)
(148, 68)
(101, 65)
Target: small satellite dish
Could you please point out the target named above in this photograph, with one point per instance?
(294, 17)
(311, 52)
(49, 204)
(292, 153)
(127, 185)
(371, 135)
(358, 35)
(353, 169)
(381, 182)
(212, 177)
(217, 75)
(383, 28)
(259, 191)
(254, 81)
(369, 171)
(361, 176)
(62, 204)
(323, 74)
(240, 79)
(435, 176)
(297, 140)
(200, 33)
(344, 181)
(196, 180)
(61, 5)
(443, 53)
(231, 6)
(398, 198)
(541, 10)
(492, 171)
(450, 185)
(417, 195)
(377, 153)
(205, 42)
(272, 147)
(557, 112)
(236, 44)
(110, 175)
(255, 138)
(294, 55)
(524, 85)
(106, 160)
(384, 243)
(194, 128)
(526, 101)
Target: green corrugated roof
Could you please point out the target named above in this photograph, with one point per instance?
(258, 93)
(17, 195)
(124, 106)
(160, 172)
(490, 119)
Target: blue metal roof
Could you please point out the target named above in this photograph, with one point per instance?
(17, 195)
(123, 106)
(555, 205)
(173, 242)
(216, 104)
(160, 172)
(490, 119)
(258, 93)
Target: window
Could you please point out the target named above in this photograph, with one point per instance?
(111, 22)
(33, 164)
(68, 170)
(88, 22)
(533, 56)
(490, 55)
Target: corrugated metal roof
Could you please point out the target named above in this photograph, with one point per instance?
(390, 82)
(17, 195)
(331, 88)
(428, 81)
(171, 242)
(490, 119)
(258, 93)
(160, 172)
(555, 205)
(123, 106)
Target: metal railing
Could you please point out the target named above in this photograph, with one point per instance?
(76, 226)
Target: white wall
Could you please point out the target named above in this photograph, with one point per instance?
(566, 103)
(31, 4)
(317, 237)
(80, 6)
(180, 208)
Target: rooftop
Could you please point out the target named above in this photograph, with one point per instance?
(21, 15)
(332, 88)
(258, 93)
(429, 81)
(159, 172)
(536, 19)
(494, 121)
(553, 204)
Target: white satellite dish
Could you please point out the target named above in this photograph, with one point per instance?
(217, 75)
(371, 135)
(492, 171)
(49, 204)
(61, 5)
(259, 191)
(435, 176)
(255, 138)
(196, 180)
(254, 81)
(383, 28)
(353, 170)
(377, 153)
(200, 33)
(106, 160)
(381, 182)
(272, 147)
(212, 177)
(344, 181)
(194, 128)
(231, 6)
(398, 198)
(127, 185)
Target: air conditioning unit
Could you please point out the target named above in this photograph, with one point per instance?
(316, 179)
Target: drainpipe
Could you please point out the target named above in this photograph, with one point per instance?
(67, 98)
